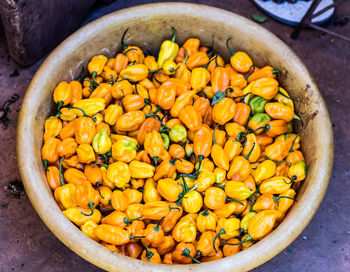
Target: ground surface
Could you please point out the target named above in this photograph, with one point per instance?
(27, 245)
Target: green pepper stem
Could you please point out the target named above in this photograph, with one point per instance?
(91, 206)
(174, 208)
(294, 99)
(59, 105)
(278, 162)
(174, 34)
(184, 61)
(250, 152)
(60, 170)
(206, 66)
(130, 49)
(149, 254)
(202, 92)
(249, 238)
(228, 47)
(46, 162)
(156, 227)
(276, 198)
(137, 237)
(267, 128)
(292, 149)
(288, 182)
(200, 158)
(127, 220)
(214, 134)
(98, 189)
(205, 212)
(275, 71)
(186, 252)
(222, 231)
(155, 159)
(100, 163)
(220, 186)
(233, 200)
(252, 72)
(124, 46)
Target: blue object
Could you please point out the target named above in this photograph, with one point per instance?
(292, 13)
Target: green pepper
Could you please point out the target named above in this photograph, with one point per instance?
(257, 105)
(166, 140)
(178, 134)
(258, 121)
(168, 50)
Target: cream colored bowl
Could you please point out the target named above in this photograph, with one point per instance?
(148, 26)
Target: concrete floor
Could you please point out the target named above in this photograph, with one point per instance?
(27, 245)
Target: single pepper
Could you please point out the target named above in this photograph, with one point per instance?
(285, 200)
(257, 104)
(224, 111)
(168, 50)
(117, 218)
(237, 190)
(133, 102)
(101, 142)
(154, 145)
(65, 196)
(134, 73)
(155, 210)
(86, 197)
(265, 72)
(89, 106)
(150, 192)
(206, 221)
(178, 134)
(86, 153)
(198, 59)
(169, 189)
(124, 150)
(242, 114)
(184, 253)
(279, 111)
(154, 235)
(226, 229)
(130, 121)
(78, 217)
(202, 143)
(147, 126)
(53, 177)
(185, 230)
(62, 94)
(200, 77)
(265, 87)
(265, 170)
(173, 216)
(240, 61)
(204, 245)
(297, 171)
(275, 185)
(141, 169)
(258, 122)
(53, 126)
(181, 102)
(191, 118)
(166, 140)
(167, 245)
(151, 255)
(113, 234)
(119, 201)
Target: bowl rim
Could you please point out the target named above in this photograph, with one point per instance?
(73, 238)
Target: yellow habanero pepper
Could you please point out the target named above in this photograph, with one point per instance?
(101, 142)
(135, 72)
(265, 87)
(240, 61)
(141, 170)
(62, 94)
(297, 172)
(97, 64)
(186, 229)
(88, 229)
(118, 173)
(206, 221)
(76, 215)
(89, 106)
(205, 180)
(86, 153)
(220, 175)
(155, 210)
(265, 170)
(285, 200)
(192, 202)
(169, 189)
(65, 196)
(284, 98)
(112, 113)
(245, 221)
(237, 190)
(168, 50)
(227, 229)
(275, 185)
(124, 150)
(200, 77)
(53, 126)
(262, 224)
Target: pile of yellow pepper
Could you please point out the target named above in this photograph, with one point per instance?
(175, 160)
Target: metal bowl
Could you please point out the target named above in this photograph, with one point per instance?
(148, 26)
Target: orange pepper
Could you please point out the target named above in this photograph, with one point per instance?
(266, 72)
(167, 245)
(154, 145)
(130, 121)
(155, 210)
(49, 150)
(53, 178)
(151, 63)
(133, 102)
(181, 102)
(285, 200)
(239, 169)
(191, 45)
(191, 118)
(119, 201)
(165, 170)
(242, 114)
(112, 234)
(62, 94)
(279, 111)
(295, 157)
(75, 176)
(214, 198)
(67, 147)
(224, 111)
(233, 148)
(183, 73)
(197, 60)
(206, 221)
(265, 202)
(238, 80)
(133, 250)
(117, 218)
(205, 245)
(220, 79)
(184, 253)
(230, 249)
(251, 148)
(240, 61)
(176, 151)
(234, 129)
(185, 230)
(154, 235)
(183, 166)
(151, 255)
(277, 151)
(85, 130)
(68, 131)
(181, 55)
(217, 256)
(200, 77)
(150, 192)
(134, 54)
(132, 196)
(86, 196)
(121, 88)
(165, 95)
(104, 90)
(158, 78)
(217, 61)
(147, 126)
(120, 63)
(262, 224)
(173, 216)
(202, 142)
(53, 127)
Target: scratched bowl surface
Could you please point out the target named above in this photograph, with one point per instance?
(148, 26)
